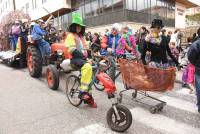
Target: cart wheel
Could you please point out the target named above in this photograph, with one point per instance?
(160, 108)
(134, 94)
(153, 110)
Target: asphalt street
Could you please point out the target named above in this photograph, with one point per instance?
(28, 106)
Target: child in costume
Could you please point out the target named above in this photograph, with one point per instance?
(76, 44)
(126, 43)
(157, 46)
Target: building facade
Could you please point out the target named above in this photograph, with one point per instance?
(103, 12)
(6, 6)
(192, 11)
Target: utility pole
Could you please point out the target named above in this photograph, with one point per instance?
(14, 5)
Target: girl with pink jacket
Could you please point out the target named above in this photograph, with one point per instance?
(126, 43)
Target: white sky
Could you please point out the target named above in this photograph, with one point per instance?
(196, 2)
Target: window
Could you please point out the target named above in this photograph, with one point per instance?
(35, 3)
(27, 7)
(32, 4)
(100, 7)
(44, 1)
(81, 10)
(77, 3)
(6, 5)
(117, 5)
(107, 6)
(88, 9)
(94, 7)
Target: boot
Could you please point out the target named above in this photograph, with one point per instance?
(88, 99)
(92, 103)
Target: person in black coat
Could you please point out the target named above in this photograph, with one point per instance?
(157, 46)
(194, 58)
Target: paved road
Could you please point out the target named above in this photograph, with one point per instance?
(27, 106)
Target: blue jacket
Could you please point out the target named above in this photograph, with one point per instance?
(110, 40)
(194, 55)
(38, 32)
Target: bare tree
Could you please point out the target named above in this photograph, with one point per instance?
(6, 24)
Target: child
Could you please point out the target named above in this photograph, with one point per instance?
(188, 77)
(188, 72)
(126, 43)
(174, 51)
(183, 60)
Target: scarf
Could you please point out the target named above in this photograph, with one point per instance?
(153, 38)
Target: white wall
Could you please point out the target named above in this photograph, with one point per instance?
(21, 4)
(38, 12)
(5, 7)
(51, 6)
(180, 15)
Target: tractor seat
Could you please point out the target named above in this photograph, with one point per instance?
(67, 67)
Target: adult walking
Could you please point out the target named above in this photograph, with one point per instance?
(157, 46)
(194, 58)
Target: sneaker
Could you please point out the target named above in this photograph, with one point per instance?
(88, 99)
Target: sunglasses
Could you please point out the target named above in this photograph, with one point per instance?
(173, 44)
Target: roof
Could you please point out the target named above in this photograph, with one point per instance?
(59, 12)
(189, 3)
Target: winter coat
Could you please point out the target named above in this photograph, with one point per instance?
(110, 40)
(194, 55)
(126, 42)
(175, 52)
(76, 45)
(158, 51)
(15, 30)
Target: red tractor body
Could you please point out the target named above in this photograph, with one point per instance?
(61, 46)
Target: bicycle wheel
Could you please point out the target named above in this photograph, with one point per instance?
(72, 90)
(122, 124)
